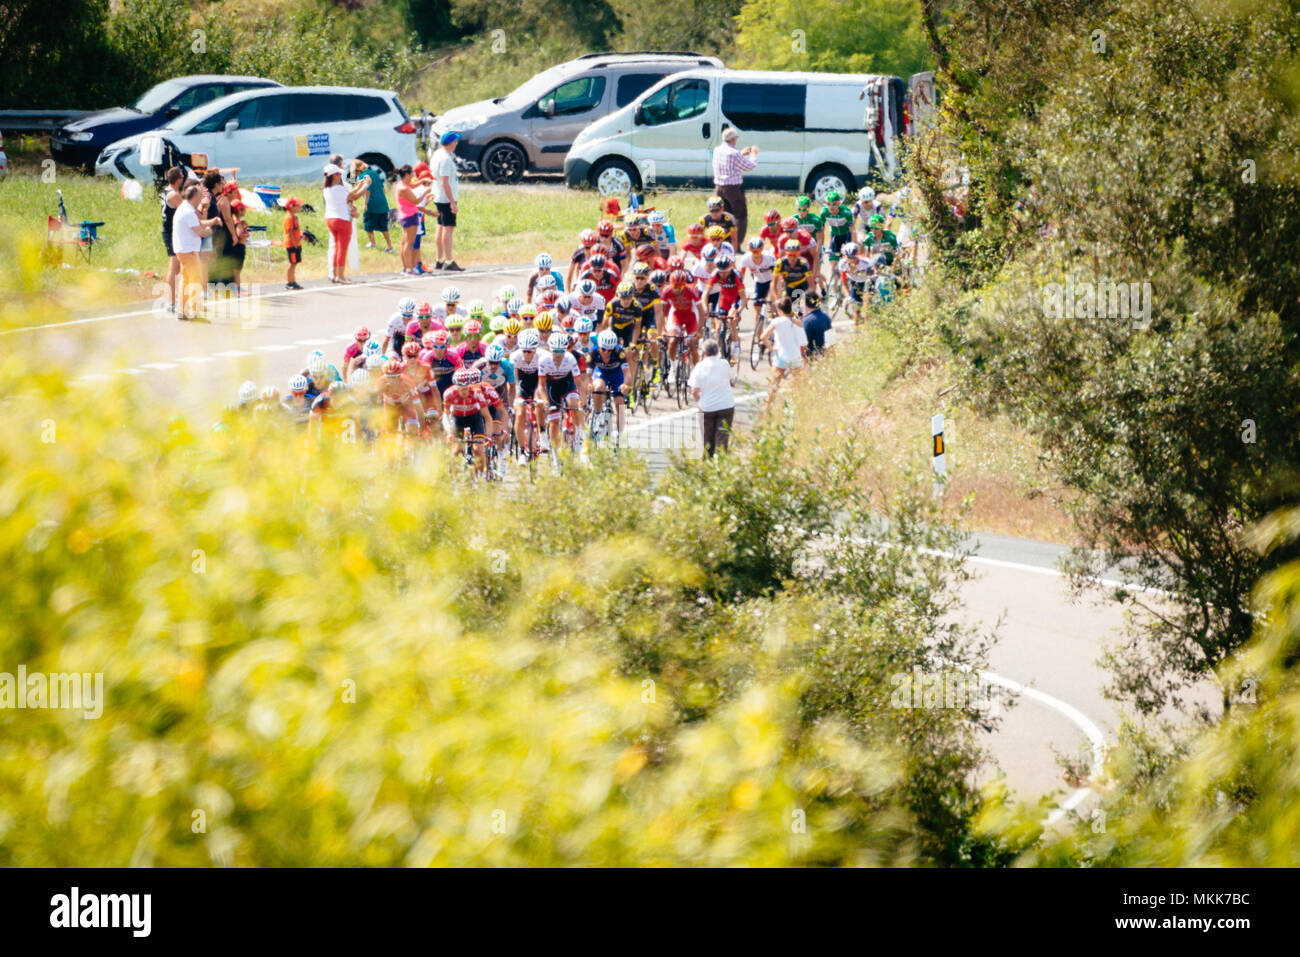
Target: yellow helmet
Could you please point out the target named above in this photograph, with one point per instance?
(716, 234)
(512, 327)
(545, 320)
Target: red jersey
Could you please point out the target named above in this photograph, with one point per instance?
(729, 285)
(681, 300)
(773, 235)
(463, 402)
(490, 396)
(693, 247)
(606, 281)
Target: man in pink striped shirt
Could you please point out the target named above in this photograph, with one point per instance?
(729, 168)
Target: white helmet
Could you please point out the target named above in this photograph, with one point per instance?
(298, 383)
(514, 305)
(543, 261)
(558, 341)
(316, 363)
(586, 287)
(563, 304)
(375, 362)
(529, 339)
(406, 306)
(607, 339)
(506, 293)
(451, 294)
(546, 282)
(582, 325)
(495, 352)
(866, 194)
(655, 218)
(360, 378)
(247, 392)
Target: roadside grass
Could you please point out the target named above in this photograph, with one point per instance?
(870, 389)
(498, 224)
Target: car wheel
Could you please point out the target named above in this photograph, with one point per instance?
(826, 178)
(615, 177)
(380, 162)
(503, 163)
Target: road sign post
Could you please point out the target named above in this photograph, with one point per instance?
(939, 453)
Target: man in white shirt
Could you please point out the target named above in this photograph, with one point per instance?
(710, 384)
(785, 337)
(446, 190)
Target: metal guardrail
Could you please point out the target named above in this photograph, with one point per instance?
(37, 119)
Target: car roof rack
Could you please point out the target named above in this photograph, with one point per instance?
(588, 56)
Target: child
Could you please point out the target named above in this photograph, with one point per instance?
(423, 183)
(292, 240)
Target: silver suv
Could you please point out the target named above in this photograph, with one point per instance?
(531, 129)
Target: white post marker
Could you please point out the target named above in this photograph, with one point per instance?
(939, 452)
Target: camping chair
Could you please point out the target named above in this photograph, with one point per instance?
(82, 236)
(259, 246)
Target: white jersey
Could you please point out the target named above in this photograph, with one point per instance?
(761, 270)
(567, 366)
(521, 364)
(593, 309)
(722, 248)
(854, 269)
(397, 324)
(440, 313)
(701, 272)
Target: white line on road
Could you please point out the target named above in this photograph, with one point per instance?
(314, 342)
(273, 348)
(158, 365)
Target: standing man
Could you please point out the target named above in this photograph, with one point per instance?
(710, 384)
(376, 215)
(445, 192)
(729, 168)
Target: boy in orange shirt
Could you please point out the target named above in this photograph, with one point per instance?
(292, 240)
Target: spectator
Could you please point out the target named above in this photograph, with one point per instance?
(786, 338)
(188, 230)
(212, 181)
(172, 197)
(409, 211)
(729, 168)
(710, 384)
(445, 192)
(423, 182)
(292, 241)
(376, 216)
(338, 217)
(233, 235)
(815, 324)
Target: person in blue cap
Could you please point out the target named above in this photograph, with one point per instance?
(445, 192)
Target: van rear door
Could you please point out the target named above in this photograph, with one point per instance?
(770, 115)
(837, 130)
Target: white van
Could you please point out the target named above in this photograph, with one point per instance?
(815, 132)
(284, 132)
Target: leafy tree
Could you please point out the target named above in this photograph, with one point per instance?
(874, 36)
(703, 26)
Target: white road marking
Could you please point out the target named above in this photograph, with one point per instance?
(313, 342)
(158, 365)
(273, 348)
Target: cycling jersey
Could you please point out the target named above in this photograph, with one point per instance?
(500, 378)
(771, 234)
(646, 298)
(721, 249)
(853, 269)
(693, 248)
(701, 274)
(592, 308)
(440, 316)
(729, 287)
(794, 274)
(805, 251)
(466, 355)
(726, 221)
(606, 281)
(560, 383)
(681, 303)
(761, 270)
(532, 283)
(463, 402)
(838, 220)
(443, 368)
(525, 372)
(810, 221)
(886, 244)
(617, 359)
(623, 319)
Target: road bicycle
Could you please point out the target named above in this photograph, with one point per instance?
(730, 351)
(468, 443)
(757, 350)
(607, 424)
(680, 374)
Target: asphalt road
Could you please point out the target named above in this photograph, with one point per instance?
(1048, 648)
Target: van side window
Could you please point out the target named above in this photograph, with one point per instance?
(677, 101)
(316, 108)
(217, 121)
(365, 107)
(263, 112)
(577, 96)
(765, 106)
(632, 85)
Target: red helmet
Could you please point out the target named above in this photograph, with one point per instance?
(679, 277)
(804, 237)
(772, 216)
(413, 328)
(588, 237)
(362, 334)
(548, 297)
(393, 367)
(695, 229)
(789, 224)
(411, 349)
(439, 337)
(676, 263)
(645, 251)
(606, 228)
(567, 320)
(424, 309)
(426, 357)
(598, 262)
(473, 328)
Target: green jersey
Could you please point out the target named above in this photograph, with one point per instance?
(887, 244)
(810, 221)
(838, 220)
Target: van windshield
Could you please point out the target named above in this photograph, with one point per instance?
(531, 91)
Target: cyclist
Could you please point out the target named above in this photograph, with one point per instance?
(717, 241)
(704, 271)
(648, 256)
(879, 240)
(600, 271)
(634, 231)
(837, 217)
(695, 240)
(525, 362)
(456, 326)
(661, 234)
(579, 345)
(758, 264)
(556, 372)
(792, 271)
(443, 363)
(395, 332)
(401, 405)
(317, 373)
(545, 325)
(723, 292)
(508, 337)
(609, 365)
(645, 290)
(685, 311)
(855, 272)
(623, 318)
(588, 301)
(465, 404)
(808, 218)
(611, 245)
(418, 363)
(297, 404)
(356, 350)
(504, 295)
(449, 306)
(717, 215)
(866, 207)
(268, 401)
(587, 241)
(496, 371)
(772, 229)
(543, 267)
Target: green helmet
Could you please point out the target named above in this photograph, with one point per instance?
(454, 321)
(876, 220)
(833, 196)
(477, 310)
(497, 324)
(803, 202)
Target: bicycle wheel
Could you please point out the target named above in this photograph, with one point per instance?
(756, 346)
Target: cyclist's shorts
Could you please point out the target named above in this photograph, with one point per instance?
(527, 386)
(857, 291)
(624, 334)
(558, 392)
(613, 378)
(761, 289)
(444, 383)
(472, 422)
(837, 241)
(647, 318)
(683, 322)
(497, 412)
(727, 301)
(712, 300)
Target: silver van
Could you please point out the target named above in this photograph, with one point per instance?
(531, 129)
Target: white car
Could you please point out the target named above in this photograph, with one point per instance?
(285, 132)
(815, 132)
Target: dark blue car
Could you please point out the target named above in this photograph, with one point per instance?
(79, 142)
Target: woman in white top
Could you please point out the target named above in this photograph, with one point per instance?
(188, 231)
(338, 217)
(785, 336)
(710, 384)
